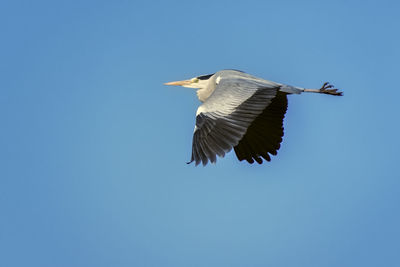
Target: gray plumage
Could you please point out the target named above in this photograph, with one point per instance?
(240, 111)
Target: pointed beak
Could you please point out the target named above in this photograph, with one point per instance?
(181, 83)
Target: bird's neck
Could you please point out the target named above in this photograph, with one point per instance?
(206, 90)
(203, 94)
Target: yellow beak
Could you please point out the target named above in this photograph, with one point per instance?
(181, 83)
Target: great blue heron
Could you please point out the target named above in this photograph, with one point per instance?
(240, 111)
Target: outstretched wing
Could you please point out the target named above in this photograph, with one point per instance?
(224, 118)
(264, 135)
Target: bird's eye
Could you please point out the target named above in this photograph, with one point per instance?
(195, 80)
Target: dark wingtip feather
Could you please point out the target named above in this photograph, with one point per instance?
(265, 134)
(258, 159)
(266, 156)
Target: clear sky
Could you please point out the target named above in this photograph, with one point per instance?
(93, 146)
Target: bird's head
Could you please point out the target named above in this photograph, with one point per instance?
(196, 82)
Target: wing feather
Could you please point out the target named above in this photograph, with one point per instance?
(264, 135)
(224, 118)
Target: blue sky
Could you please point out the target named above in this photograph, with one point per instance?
(93, 146)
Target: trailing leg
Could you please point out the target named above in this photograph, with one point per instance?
(325, 89)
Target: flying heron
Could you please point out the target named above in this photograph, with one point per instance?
(242, 112)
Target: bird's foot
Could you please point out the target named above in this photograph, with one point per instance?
(326, 89)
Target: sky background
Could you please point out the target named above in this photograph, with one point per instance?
(93, 146)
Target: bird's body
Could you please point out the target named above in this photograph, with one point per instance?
(240, 111)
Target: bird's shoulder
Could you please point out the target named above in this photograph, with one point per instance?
(239, 79)
(233, 87)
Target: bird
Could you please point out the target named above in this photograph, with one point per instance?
(242, 112)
